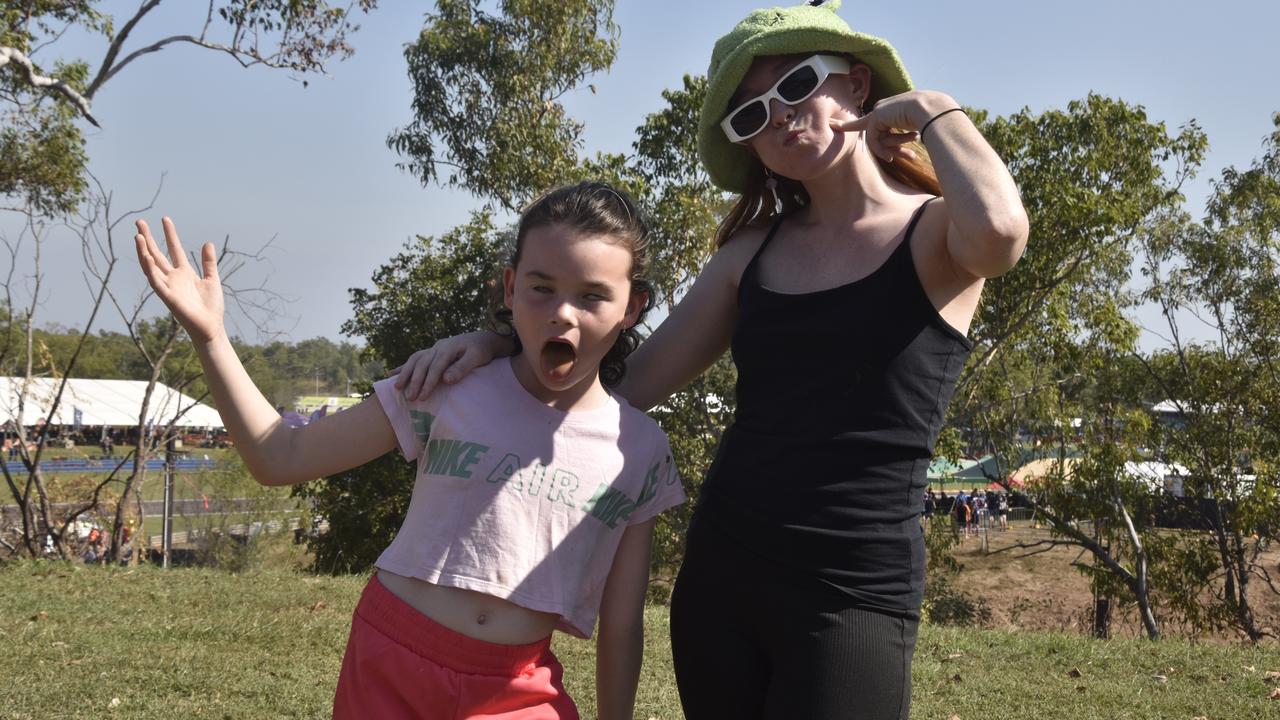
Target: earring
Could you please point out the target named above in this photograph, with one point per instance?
(771, 182)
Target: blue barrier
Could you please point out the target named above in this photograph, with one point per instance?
(106, 466)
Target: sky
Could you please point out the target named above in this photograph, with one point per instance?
(252, 155)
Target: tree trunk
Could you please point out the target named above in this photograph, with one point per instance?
(1102, 617)
(143, 447)
(29, 523)
(135, 479)
(1139, 583)
(133, 483)
(1236, 573)
(1144, 600)
(46, 513)
(21, 499)
(1244, 611)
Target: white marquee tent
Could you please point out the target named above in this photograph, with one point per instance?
(115, 403)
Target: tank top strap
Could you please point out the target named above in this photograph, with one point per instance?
(749, 272)
(905, 245)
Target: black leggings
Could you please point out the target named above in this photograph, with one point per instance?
(752, 639)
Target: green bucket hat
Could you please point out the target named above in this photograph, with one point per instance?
(781, 31)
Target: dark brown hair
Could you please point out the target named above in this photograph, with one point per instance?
(599, 209)
(756, 206)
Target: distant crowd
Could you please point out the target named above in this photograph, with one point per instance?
(969, 510)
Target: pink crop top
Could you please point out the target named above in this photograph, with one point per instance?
(519, 500)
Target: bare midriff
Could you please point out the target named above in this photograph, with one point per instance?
(476, 615)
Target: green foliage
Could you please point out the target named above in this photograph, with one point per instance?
(683, 204)
(42, 157)
(1089, 177)
(281, 370)
(365, 507)
(1052, 373)
(436, 288)
(1056, 343)
(26, 22)
(310, 32)
(1227, 389)
(487, 87)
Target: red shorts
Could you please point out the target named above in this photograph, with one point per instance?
(401, 664)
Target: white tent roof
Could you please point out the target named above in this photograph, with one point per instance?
(1154, 474)
(102, 402)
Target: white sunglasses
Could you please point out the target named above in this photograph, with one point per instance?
(752, 116)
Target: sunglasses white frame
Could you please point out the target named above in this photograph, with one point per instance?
(823, 65)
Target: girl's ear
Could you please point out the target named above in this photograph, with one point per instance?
(508, 286)
(860, 85)
(635, 304)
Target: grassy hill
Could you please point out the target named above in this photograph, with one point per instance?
(146, 643)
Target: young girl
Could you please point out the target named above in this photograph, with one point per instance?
(536, 492)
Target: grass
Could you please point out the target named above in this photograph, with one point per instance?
(144, 643)
(85, 642)
(999, 674)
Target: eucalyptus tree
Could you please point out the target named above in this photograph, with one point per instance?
(1223, 273)
(1046, 375)
(487, 90)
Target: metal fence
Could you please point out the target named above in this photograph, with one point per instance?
(253, 529)
(106, 465)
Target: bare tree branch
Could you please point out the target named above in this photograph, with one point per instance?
(107, 69)
(8, 54)
(306, 41)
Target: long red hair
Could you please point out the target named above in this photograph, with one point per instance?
(756, 206)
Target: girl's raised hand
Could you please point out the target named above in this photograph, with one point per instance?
(895, 121)
(883, 138)
(194, 300)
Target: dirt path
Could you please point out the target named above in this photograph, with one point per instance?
(1045, 592)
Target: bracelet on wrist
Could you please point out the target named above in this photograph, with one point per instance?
(935, 117)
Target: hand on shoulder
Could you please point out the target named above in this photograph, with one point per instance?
(448, 361)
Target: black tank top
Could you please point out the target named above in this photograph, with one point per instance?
(841, 394)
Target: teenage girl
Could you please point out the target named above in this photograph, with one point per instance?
(536, 493)
(846, 276)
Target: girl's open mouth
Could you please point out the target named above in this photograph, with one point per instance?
(558, 359)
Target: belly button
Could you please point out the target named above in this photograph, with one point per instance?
(481, 618)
